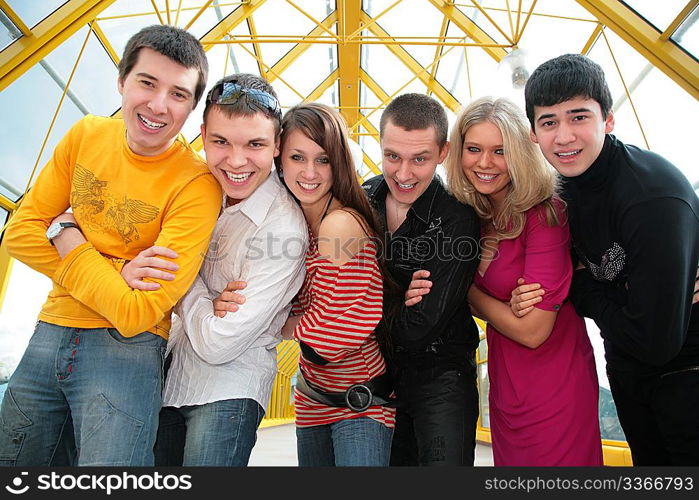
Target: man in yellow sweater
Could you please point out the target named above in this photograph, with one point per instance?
(89, 384)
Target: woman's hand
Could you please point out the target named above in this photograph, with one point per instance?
(525, 297)
(229, 299)
(419, 286)
(149, 264)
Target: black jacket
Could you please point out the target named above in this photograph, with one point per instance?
(441, 235)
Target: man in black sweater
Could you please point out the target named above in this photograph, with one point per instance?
(434, 342)
(634, 221)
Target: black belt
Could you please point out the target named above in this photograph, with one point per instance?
(358, 397)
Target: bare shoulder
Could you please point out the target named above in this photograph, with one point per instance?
(341, 236)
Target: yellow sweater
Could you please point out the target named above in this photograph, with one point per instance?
(124, 203)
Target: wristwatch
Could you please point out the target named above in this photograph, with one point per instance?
(56, 228)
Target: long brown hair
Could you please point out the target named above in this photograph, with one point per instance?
(327, 128)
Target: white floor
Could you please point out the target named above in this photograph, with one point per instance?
(276, 446)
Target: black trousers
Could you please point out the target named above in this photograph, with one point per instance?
(436, 417)
(659, 415)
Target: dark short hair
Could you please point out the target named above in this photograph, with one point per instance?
(240, 107)
(563, 78)
(174, 43)
(416, 112)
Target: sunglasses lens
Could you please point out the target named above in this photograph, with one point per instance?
(231, 92)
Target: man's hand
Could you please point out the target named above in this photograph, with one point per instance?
(419, 286)
(290, 326)
(148, 264)
(695, 299)
(524, 297)
(229, 300)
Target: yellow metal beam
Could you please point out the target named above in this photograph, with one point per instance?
(102, 37)
(256, 46)
(7, 203)
(323, 86)
(349, 21)
(663, 54)
(24, 53)
(229, 22)
(593, 38)
(5, 270)
(315, 21)
(375, 87)
(157, 12)
(438, 53)
(300, 48)
(470, 28)
(16, 20)
(196, 16)
(417, 69)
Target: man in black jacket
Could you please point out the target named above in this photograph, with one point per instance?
(433, 342)
(634, 221)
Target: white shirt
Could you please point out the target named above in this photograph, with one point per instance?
(261, 240)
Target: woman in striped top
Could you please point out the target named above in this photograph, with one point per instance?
(340, 303)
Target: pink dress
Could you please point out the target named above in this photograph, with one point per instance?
(543, 402)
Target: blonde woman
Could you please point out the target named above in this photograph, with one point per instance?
(543, 382)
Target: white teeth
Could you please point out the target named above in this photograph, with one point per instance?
(310, 187)
(238, 177)
(150, 124)
(485, 177)
(570, 153)
(406, 186)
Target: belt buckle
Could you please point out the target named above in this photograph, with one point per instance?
(358, 389)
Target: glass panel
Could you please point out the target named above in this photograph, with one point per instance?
(94, 83)
(311, 68)
(483, 392)
(687, 35)
(21, 137)
(34, 11)
(26, 293)
(4, 215)
(125, 18)
(413, 20)
(279, 18)
(660, 17)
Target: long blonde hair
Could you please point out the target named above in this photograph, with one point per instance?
(532, 180)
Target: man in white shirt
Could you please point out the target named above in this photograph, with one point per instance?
(222, 368)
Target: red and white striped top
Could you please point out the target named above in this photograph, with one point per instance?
(341, 306)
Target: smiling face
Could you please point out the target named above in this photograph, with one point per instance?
(157, 97)
(571, 134)
(410, 158)
(240, 151)
(307, 169)
(483, 160)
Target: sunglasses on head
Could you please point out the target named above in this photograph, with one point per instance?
(257, 100)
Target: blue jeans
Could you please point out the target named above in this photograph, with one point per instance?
(218, 434)
(353, 442)
(83, 397)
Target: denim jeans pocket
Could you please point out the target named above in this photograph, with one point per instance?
(143, 339)
(12, 421)
(102, 422)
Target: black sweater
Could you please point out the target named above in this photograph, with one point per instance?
(634, 221)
